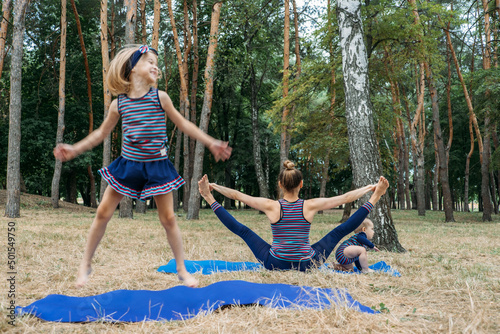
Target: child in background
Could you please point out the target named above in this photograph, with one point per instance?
(143, 169)
(354, 249)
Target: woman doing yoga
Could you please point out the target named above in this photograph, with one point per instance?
(291, 219)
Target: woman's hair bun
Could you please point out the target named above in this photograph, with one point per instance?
(288, 164)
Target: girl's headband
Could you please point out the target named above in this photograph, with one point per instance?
(135, 58)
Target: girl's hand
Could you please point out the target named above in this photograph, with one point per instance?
(220, 150)
(64, 152)
(375, 249)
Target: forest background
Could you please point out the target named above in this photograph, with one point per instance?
(430, 63)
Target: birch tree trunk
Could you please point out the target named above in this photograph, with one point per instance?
(106, 150)
(194, 198)
(62, 100)
(3, 31)
(259, 170)
(93, 201)
(126, 204)
(363, 146)
(286, 74)
(443, 162)
(12, 207)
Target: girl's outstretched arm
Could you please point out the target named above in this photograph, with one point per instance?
(65, 152)
(219, 149)
(270, 207)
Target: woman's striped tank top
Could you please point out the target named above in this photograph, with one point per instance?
(291, 233)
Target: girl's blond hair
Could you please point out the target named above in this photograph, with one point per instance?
(118, 83)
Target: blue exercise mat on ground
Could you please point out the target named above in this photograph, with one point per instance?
(181, 302)
(379, 267)
(207, 267)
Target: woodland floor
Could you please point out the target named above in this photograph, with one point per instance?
(450, 279)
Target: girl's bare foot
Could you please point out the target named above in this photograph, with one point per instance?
(367, 271)
(187, 279)
(83, 275)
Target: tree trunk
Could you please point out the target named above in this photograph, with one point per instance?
(417, 132)
(467, 164)
(156, 25)
(184, 100)
(194, 198)
(126, 204)
(143, 23)
(12, 207)
(62, 100)
(443, 161)
(286, 74)
(93, 201)
(3, 31)
(130, 22)
(406, 155)
(363, 147)
(194, 80)
(472, 121)
(435, 187)
(396, 106)
(259, 171)
(140, 206)
(188, 162)
(106, 150)
(485, 164)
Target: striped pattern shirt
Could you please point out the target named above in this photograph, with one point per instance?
(291, 233)
(144, 127)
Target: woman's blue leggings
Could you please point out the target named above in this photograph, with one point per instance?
(322, 248)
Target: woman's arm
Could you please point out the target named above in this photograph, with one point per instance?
(219, 149)
(269, 207)
(314, 205)
(65, 152)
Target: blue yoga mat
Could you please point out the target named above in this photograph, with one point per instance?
(379, 267)
(207, 267)
(181, 302)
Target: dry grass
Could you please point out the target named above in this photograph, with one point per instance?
(449, 284)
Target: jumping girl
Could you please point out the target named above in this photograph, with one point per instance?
(291, 219)
(143, 169)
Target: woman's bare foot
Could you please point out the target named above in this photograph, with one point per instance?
(380, 190)
(187, 279)
(204, 188)
(83, 275)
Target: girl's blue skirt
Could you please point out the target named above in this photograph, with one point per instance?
(141, 180)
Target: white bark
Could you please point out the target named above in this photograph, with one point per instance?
(363, 146)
